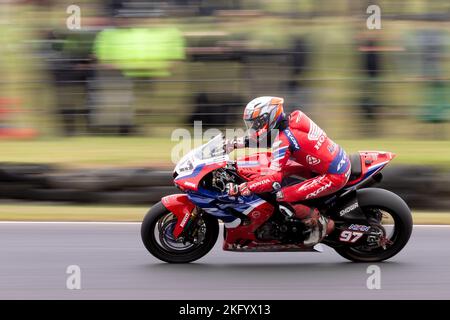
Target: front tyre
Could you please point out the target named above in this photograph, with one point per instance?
(157, 236)
(394, 218)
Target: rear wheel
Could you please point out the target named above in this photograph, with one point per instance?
(391, 223)
(157, 236)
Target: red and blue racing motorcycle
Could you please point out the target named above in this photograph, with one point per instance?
(371, 224)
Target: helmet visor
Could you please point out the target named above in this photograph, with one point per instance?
(257, 123)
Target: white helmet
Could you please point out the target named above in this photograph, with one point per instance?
(263, 114)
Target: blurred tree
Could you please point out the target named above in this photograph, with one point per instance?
(370, 55)
(140, 52)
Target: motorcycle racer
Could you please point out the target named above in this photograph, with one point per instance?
(294, 138)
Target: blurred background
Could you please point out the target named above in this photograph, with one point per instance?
(86, 114)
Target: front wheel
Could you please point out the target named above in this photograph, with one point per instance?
(391, 216)
(157, 236)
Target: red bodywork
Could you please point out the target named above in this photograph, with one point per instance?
(371, 163)
(244, 235)
(191, 182)
(181, 207)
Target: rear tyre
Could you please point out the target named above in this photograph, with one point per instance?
(156, 234)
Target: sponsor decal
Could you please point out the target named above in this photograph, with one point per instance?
(350, 236)
(189, 184)
(316, 134)
(318, 191)
(256, 214)
(292, 141)
(185, 219)
(312, 161)
(359, 227)
(341, 163)
(310, 184)
(320, 141)
(259, 183)
(373, 155)
(348, 209)
(314, 131)
(332, 147)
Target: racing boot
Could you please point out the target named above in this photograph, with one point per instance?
(317, 226)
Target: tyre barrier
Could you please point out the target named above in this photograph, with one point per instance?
(421, 187)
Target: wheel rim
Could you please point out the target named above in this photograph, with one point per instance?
(385, 228)
(163, 233)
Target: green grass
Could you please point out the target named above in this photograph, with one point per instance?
(124, 151)
(89, 151)
(61, 212)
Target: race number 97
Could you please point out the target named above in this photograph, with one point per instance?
(350, 236)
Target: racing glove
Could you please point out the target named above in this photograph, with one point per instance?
(234, 189)
(231, 144)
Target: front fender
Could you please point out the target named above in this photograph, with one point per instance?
(181, 207)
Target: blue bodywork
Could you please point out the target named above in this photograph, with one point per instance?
(216, 203)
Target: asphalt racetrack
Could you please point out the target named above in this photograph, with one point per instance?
(115, 265)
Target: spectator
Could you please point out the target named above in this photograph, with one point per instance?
(69, 60)
(432, 44)
(370, 54)
(297, 90)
